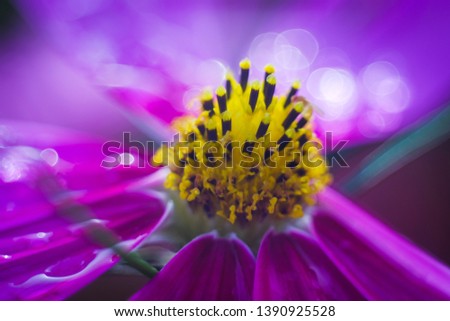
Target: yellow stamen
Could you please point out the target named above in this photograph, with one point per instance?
(271, 166)
(245, 64)
(269, 69)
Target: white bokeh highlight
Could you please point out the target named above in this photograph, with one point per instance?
(292, 52)
(385, 89)
(333, 90)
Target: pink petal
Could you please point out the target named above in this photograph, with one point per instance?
(380, 263)
(47, 249)
(208, 268)
(150, 46)
(292, 266)
(75, 158)
(140, 102)
(49, 257)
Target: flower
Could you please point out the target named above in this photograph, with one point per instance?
(326, 265)
(337, 256)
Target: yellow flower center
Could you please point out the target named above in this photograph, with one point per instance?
(249, 155)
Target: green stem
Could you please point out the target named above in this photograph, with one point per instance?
(134, 259)
(73, 211)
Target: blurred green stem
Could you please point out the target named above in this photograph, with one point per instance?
(75, 212)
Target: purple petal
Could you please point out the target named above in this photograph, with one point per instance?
(49, 249)
(40, 86)
(31, 151)
(75, 158)
(142, 103)
(380, 263)
(208, 268)
(48, 257)
(291, 266)
(149, 47)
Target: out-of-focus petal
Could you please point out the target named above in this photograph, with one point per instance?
(208, 268)
(25, 197)
(29, 153)
(38, 85)
(81, 162)
(55, 201)
(364, 72)
(142, 57)
(50, 257)
(379, 262)
(292, 266)
(152, 114)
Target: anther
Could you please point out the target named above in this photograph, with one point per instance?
(302, 140)
(300, 172)
(191, 137)
(292, 92)
(269, 69)
(293, 114)
(254, 170)
(293, 164)
(207, 102)
(222, 99)
(182, 163)
(226, 122)
(245, 72)
(192, 155)
(228, 86)
(301, 123)
(269, 90)
(202, 129)
(284, 141)
(305, 118)
(229, 150)
(248, 147)
(282, 178)
(211, 130)
(268, 153)
(254, 95)
(263, 126)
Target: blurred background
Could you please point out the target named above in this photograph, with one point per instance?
(377, 71)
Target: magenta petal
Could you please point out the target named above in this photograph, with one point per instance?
(150, 45)
(208, 268)
(49, 258)
(30, 152)
(142, 102)
(292, 266)
(75, 158)
(381, 264)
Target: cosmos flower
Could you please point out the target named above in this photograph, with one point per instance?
(341, 253)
